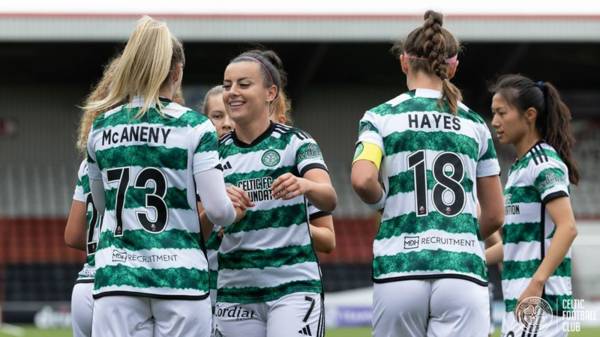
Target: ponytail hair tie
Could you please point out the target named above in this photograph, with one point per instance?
(541, 86)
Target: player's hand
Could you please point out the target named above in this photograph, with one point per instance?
(534, 289)
(239, 214)
(288, 186)
(239, 198)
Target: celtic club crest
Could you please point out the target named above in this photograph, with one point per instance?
(270, 158)
(534, 313)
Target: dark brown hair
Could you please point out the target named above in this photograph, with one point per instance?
(273, 73)
(553, 116)
(430, 46)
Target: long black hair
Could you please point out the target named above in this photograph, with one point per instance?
(553, 118)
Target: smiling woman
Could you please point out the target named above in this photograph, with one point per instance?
(267, 263)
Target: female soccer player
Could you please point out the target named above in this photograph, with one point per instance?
(83, 223)
(214, 108)
(321, 223)
(145, 159)
(269, 281)
(539, 227)
(81, 232)
(429, 268)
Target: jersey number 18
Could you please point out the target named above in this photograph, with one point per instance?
(447, 172)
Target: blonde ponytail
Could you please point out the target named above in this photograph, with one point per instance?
(149, 57)
(99, 92)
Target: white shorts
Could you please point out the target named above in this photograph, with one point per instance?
(553, 326)
(131, 316)
(82, 308)
(294, 315)
(432, 308)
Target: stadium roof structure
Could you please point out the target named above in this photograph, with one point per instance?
(310, 20)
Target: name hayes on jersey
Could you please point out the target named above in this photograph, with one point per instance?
(438, 121)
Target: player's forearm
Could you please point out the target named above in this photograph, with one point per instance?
(559, 246)
(205, 224)
(322, 195)
(76, 224)
(323, 239)
(494, 254)
(217, 205)
(491, 202)
(365, 181)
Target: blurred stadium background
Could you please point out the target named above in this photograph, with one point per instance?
(338, 64)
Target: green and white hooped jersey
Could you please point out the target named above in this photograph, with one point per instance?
(214, 242)
(93, 223)
(150, 243)
(212, 250)
(431, 159)
(537, 178)
(269, 253)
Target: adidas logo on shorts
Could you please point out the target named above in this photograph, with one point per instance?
(305, 331)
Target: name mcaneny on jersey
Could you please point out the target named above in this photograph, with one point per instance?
(136, 133)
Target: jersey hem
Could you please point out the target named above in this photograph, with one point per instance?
(429, 277)
(312, 166)
(259, 300)
(319, 214)
(554, 195)
(155, 296)
(84, 281)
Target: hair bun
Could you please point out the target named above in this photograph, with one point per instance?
(272, 57)
(437, 17)
(275, 60)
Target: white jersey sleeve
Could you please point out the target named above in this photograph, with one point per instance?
(369, 131)
(487, 163)
(92, 167)
(308, 154)
(79, 194)
(551, 179)
(205, 141)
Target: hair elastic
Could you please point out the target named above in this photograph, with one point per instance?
(451, 60)
(540, 85)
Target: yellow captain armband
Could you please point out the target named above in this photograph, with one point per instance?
(368, 151)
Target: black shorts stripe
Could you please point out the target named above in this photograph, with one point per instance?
(429, 277)
(156, 296)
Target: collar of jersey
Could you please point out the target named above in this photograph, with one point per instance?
(530, 151)
(427, 93)
(258, 139)
(138, 101)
